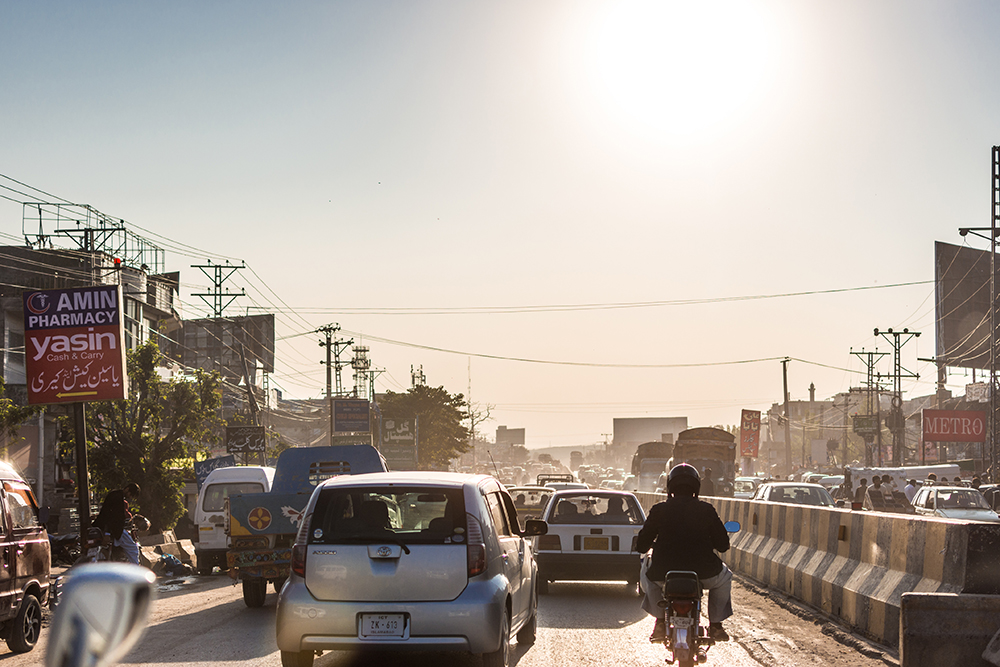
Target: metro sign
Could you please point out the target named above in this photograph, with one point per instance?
(74, 345)
(954, 425)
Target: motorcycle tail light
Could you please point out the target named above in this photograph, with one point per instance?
(299, 559)
(681, 607)
(475, 547)
(549, 543)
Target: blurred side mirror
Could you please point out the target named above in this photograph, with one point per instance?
(732, 526)
(101, 614)
(44, 514)
(534, 527)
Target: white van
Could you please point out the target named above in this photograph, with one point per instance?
(210, 515)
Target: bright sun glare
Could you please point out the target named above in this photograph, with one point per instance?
(681, 70)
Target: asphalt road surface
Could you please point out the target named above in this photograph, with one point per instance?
(203, 620)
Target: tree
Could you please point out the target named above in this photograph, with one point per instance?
(147, 437)
(441, 432)
(12, 415)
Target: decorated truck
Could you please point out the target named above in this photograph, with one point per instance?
(261, 527)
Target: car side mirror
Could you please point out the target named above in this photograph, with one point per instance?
(102, 612)
(840, 503)
(44, 514)
(535, 527)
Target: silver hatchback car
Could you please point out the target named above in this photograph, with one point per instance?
(409, 560)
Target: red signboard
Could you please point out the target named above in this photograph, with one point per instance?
(954, 425)
(750, 433)
(74, 345)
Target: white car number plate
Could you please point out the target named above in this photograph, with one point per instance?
(382, 625)
(681, 621)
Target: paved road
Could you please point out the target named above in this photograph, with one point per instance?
(203, 621)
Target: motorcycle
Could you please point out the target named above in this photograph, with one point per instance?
(687, 639)
(65, 548)
(101, 548)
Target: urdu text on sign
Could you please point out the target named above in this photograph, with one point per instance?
(74, 345)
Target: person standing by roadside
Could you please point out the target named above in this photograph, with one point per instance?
(859, 493)
(910, 490)
(114, 517)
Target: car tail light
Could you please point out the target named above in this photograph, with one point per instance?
(549, 543)
(681, 607)
(635, 543)
(475, 546)
(299, 559)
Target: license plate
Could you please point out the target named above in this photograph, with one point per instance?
(382, 625)
(682, 621)
(595, 543)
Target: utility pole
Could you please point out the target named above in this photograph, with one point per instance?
(329, 330)
(788, 416)
(219, 275)
(896, 420)
(871, 432)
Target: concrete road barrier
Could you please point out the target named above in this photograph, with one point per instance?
(944, 629)
(856, 566)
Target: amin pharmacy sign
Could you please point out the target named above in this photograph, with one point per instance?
(74, 345)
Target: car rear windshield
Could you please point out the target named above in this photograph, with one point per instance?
(591, 508)
(530, 499)
(216, 494)
(416, 515)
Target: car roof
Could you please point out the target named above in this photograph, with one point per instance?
(512, 489)
(797, 484)
(410, 477)
(606, 493)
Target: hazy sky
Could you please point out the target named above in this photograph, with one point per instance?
(527, 159)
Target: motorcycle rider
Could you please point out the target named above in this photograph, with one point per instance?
(685, 533)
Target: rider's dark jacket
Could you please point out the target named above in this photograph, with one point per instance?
(685, 533)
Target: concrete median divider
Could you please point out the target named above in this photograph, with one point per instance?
(856, 565)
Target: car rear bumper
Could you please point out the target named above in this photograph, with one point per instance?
(588, 567)
(470, 622)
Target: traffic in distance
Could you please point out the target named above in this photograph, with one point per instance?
(363, 558)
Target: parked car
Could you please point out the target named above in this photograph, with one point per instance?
(529, 501)
(954, 502)
(744, 487)
(794, 492)
(591, 536)
(24, 578)
(409, 561)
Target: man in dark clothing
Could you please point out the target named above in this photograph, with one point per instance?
(685, 533)
(707, 485)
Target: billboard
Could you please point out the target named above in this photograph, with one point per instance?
(351, 415)
(750, 433)
(962, 305)
(74, 345)
(219, 344)
(399, 443)
(242, 439)
(954, 425)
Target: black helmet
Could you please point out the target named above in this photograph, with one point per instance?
(684, 475)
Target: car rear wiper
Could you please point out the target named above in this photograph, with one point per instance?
(371, 539)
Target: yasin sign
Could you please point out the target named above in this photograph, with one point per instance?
(74, 345)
